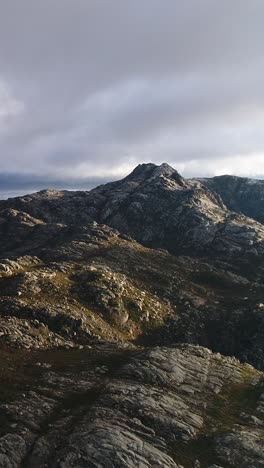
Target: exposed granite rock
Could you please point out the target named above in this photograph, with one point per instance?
(152, 411)
(244, 448)
(72, 295)
(240, 194)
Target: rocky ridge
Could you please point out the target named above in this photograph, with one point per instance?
(240, 194)
(155, 206)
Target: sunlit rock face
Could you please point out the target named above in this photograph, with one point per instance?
(240, 194)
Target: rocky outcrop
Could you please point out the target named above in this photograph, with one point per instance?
(168, 407)
(76, 291)
(240, 194)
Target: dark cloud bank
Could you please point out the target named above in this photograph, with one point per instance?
(89, 89)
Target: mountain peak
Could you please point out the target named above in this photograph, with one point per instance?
(142, 172)
(150, 171)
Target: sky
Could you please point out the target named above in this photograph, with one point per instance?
(91, 88)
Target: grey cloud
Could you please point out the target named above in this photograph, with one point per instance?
(105, 84)
(28, 181)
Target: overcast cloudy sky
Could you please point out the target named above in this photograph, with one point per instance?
(90, 88)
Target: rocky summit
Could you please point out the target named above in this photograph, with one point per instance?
(132, 324)
(155, 206)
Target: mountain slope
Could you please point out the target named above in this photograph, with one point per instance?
(72, 285)
(155, 206)
(115, 305)
(240, 194)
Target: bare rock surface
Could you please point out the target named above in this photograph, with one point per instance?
(240, 194)
(166, 407)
